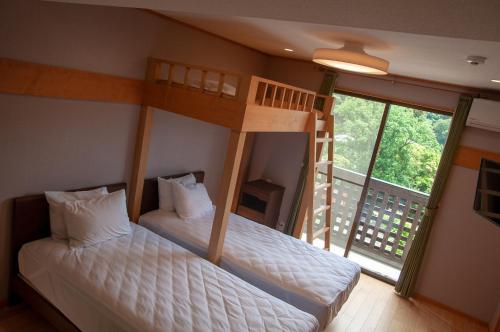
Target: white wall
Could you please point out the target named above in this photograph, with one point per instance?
(278, 157)
(462, 266)
(53, 144)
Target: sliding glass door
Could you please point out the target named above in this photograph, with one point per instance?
(386, 157)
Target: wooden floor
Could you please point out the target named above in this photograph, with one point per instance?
(372, 306)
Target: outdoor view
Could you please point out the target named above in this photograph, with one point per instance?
(404, 170)
(411, 146)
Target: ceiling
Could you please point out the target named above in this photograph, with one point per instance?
(428, 39)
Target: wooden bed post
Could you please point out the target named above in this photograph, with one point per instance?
(140, 162)
(225, 195)
(141, 148)
(243, 169)
(306, 211)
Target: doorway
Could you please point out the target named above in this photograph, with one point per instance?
(385, 160)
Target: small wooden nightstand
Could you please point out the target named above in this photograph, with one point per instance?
(260, 201)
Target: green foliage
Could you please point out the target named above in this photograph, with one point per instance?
(411, 146)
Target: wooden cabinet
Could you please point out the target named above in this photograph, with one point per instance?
(260, 201)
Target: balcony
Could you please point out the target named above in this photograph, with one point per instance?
(389, 219)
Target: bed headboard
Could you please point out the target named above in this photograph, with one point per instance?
(149, 200)
(30, 221)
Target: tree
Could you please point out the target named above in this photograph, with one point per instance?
(411, 145)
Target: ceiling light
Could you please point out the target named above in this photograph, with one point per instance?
(351, 57)
(288, 50)
(495, 81)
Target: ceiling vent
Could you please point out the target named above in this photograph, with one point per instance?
(476, 60)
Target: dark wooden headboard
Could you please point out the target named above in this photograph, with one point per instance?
(30, 221)
(149, 200)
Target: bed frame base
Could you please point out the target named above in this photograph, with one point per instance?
(22, 290)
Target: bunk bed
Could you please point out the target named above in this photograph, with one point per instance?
(135, 282)
(218, 97)
(243, 106)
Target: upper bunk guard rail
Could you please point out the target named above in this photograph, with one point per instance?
(264, 92)
(216, 96)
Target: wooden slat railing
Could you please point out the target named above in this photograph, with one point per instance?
(390, 217)
(208, 80)
(264, 92)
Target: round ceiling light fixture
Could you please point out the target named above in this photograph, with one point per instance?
(351, 57)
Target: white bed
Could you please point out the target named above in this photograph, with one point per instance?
(307, 277)
(143, 282)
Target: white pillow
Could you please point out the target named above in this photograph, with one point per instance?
(96, 220)
(192, 200)
(166, 200)
(56, 200)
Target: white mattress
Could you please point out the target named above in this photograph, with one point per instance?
(142, 282)
(313, 280)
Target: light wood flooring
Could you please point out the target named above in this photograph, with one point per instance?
(372, 306)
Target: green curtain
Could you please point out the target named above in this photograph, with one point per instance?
(411, 267)
(326, 88)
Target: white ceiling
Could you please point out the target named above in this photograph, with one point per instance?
(427, 57)
(427, 39)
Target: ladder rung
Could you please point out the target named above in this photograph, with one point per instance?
(320, 231)
(323, 186)
(321, 209)
(324, 140)
(323, 162)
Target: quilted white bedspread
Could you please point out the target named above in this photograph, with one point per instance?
(143, 282)
(313, 280)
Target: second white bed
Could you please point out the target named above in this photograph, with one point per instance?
(307, 277)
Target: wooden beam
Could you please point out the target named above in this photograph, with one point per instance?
(140, 162)
(470, 157)
(25, 78)
(225, 197)
(267, 119)
(195, 104)
(306, 210)
(244, 167)
(329, 175)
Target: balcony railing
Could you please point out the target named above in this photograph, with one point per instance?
(390, 217)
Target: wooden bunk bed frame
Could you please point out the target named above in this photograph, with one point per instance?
(217, 97)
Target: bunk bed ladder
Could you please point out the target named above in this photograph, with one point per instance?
(308, 211)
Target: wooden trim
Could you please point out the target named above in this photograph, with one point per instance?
(140, 162)
(423, 298)
(225, 196)
(244, 168)
(395, 101)
(470, 157)
(25, 78)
